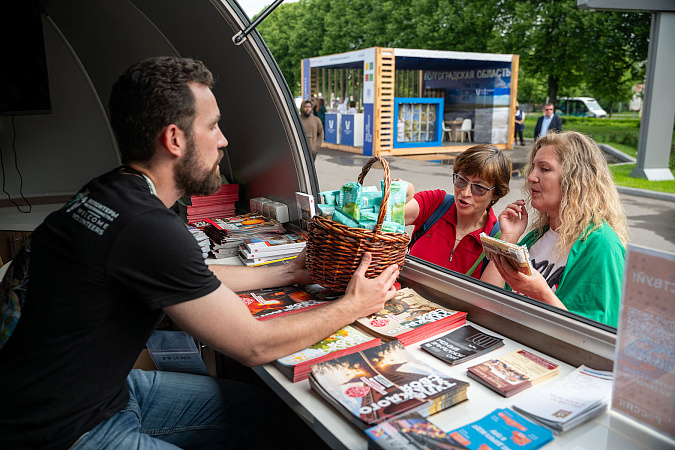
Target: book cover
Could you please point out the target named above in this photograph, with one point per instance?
(287, 241)
(513, 372)
(271, 302)
(517, 255)
(265, 261)
(502, 429)
(410, 431)
(306, 208)
(574, 399)
(345, 341)
(462, 344)
(410, 318)
(378, 383)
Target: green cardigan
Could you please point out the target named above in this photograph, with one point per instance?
(592, 282)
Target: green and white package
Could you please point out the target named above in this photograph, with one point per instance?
(396, 205)
(352, 200)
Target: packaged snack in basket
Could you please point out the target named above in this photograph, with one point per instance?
(330, 197)
(352, 200)
(326, 210)
(344, 219)
(396, 204)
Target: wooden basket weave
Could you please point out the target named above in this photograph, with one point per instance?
(334, 250)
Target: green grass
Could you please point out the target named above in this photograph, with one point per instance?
(621, 134)
(622, 178)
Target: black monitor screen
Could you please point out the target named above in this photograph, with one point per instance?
(24, 84)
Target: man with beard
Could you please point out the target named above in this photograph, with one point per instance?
(98, 275)
(313, 128)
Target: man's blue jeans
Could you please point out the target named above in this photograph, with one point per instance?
(169, 410)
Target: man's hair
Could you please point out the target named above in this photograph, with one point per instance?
(148, 97)
(489, 163)
(305, 102)
(548, 104)
(589, 195)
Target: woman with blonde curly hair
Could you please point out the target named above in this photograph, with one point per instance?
(578, 231)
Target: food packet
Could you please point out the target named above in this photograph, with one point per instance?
(352, 200)
(396, 205)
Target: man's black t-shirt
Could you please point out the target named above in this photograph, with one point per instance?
(101, 270)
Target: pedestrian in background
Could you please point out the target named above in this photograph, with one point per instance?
(520, 125)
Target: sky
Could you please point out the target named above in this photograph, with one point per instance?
(253, 7)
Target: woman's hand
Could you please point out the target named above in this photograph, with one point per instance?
(533, 286)
(513, 221)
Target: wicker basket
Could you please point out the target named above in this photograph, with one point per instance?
(334, 251)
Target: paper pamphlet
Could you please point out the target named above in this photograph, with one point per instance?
(517, 255)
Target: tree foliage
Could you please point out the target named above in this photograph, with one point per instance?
(562, 49)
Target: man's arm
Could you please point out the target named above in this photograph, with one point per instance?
(241, 278)
(222, 321)
(537, 127)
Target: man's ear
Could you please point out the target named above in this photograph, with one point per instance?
(173, 139)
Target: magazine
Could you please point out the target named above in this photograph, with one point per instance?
(517, 255)
(574, 399)
(410, 431)
(381, 382)
(502, 429)
(273, 302)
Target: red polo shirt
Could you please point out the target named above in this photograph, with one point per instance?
(436, 244)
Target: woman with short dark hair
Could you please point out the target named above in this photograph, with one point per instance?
(481, 176)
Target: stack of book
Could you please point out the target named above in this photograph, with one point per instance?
(343, 342)
(220, 204)
(410, 318)
(226, 235)
(461, 345)
(574, 399)
(379, 383)
(276, 249)
(202, 239)
(274, 302)
(513, 372)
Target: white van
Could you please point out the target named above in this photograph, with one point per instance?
(580, 107)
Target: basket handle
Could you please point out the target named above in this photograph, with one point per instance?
(385, 191)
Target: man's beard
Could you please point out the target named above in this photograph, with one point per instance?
(191, 178)
(306, 114)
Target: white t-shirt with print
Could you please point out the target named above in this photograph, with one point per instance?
(545, 259)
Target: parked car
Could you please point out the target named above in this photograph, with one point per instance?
(580, 107)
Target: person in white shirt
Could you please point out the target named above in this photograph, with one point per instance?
(352, 108)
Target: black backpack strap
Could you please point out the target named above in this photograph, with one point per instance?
(433, 218)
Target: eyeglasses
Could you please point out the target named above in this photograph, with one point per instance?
(476, 189)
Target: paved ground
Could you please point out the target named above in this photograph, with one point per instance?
(651, 220)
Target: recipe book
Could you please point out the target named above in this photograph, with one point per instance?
(343, 342)
(410, 318)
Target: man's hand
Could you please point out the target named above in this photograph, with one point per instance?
(297, 266)
(368, 295)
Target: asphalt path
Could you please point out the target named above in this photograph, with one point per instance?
(651, 220)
